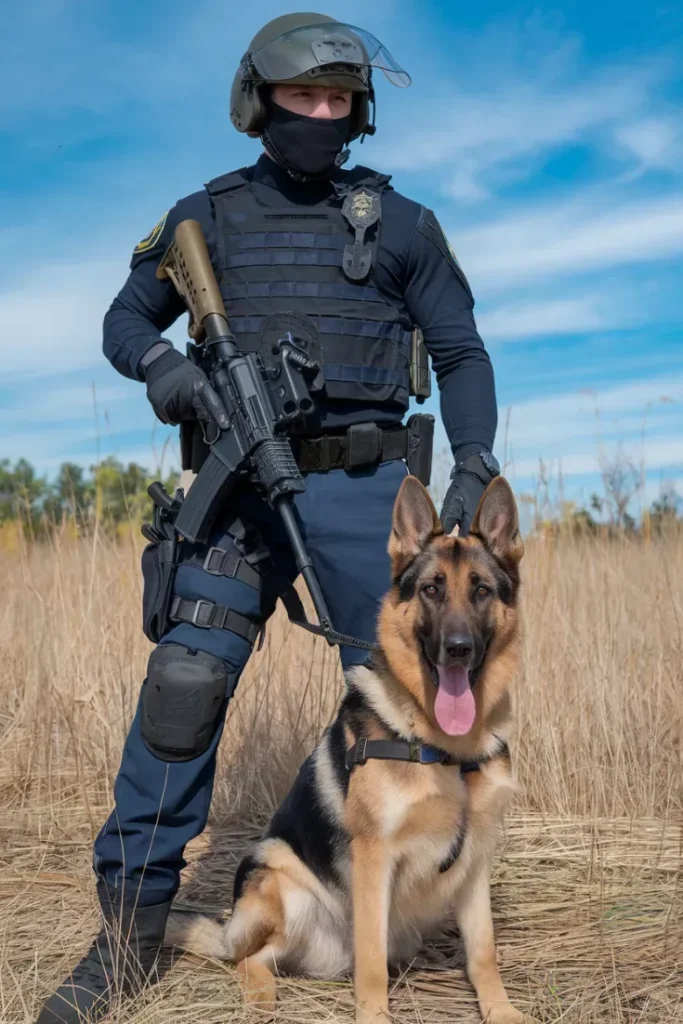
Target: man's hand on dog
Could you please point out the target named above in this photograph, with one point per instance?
(469, 480)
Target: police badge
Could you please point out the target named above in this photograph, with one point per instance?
(361, 209)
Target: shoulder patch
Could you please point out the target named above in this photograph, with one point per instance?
(150, 240)
(429, 226)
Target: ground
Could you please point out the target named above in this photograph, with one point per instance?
(588, 893)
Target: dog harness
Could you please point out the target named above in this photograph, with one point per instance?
(417, 753)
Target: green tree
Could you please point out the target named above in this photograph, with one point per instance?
(21, 491)
(666, 511)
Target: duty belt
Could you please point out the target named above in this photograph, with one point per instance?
(364, 444)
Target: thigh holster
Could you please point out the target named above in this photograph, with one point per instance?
(182, 698)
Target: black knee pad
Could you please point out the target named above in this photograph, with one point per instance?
(181, 701)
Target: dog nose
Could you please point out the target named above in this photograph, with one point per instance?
(459, 646)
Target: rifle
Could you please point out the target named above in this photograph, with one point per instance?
(261, 403)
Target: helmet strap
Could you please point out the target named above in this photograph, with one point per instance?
(370, 127)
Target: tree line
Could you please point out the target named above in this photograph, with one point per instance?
(111, 494)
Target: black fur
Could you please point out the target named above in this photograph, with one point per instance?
(456, 847)
(245, 867)
(407, 581)
(304, 824)
(337, 748)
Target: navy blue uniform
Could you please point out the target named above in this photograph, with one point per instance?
(410, 264)
(344, 516)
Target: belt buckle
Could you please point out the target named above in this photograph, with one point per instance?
(220, 572)
(358, 757)
(196, 612)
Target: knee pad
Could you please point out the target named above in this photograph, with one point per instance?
(181, 701)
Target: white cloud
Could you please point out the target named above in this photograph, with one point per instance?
(520, 321)
(572, 431)
(60, 404)
(522, 96)
(663, 453)
(52, 318)
(583, 234)
(656, 142)
(46, 450)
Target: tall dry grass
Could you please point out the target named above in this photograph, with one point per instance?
(587, 890)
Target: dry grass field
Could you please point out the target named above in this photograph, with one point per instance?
(588, 887)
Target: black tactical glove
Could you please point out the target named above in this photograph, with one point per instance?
(470, 479)
(178, 390)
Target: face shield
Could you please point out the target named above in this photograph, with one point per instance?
(318, 50)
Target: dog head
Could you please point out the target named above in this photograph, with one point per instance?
(449, 626)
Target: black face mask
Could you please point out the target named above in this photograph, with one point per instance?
(306, 145)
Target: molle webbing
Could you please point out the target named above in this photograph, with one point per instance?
(290, 259)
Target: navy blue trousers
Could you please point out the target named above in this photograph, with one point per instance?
(160, 806)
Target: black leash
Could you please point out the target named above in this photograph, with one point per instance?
(297, 616)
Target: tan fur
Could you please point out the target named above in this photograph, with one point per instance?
(401, 818)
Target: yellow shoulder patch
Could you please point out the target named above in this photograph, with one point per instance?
(150, 240)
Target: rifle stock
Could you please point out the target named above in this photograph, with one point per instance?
(187, 264)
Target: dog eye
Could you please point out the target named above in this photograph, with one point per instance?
(430, 590)
(482, 591)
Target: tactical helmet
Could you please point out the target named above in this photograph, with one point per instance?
(311, 49)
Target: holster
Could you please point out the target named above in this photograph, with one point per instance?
(420, 429)
(159, 562)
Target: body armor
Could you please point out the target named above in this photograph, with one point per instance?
(299, 260)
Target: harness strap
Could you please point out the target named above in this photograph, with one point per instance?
(219, 562)
(208, 615)
(417, 753)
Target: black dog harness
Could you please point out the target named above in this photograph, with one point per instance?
(417, 753)
(422, 753)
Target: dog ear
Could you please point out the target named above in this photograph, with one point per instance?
(414, 523)
(496, 521)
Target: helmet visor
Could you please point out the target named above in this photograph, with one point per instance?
(318, 46)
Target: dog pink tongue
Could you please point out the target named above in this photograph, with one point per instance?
(454, 705)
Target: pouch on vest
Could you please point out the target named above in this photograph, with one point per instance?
(158, 563)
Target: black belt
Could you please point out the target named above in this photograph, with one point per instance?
(364, 444)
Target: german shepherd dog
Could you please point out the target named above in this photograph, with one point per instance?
(392, 821)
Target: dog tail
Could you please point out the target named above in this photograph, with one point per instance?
(198, 934)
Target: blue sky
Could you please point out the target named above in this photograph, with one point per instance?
(548, 139)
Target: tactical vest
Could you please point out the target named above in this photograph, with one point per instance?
(311, 263)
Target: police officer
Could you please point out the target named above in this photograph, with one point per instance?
(355, 276)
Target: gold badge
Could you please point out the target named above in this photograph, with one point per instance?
(362, 205)
(150, 240)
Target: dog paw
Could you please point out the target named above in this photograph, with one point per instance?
(508, 1015)
(258, 986)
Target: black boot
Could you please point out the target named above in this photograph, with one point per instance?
(119, 962)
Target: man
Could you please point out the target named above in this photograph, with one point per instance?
(286, 255)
